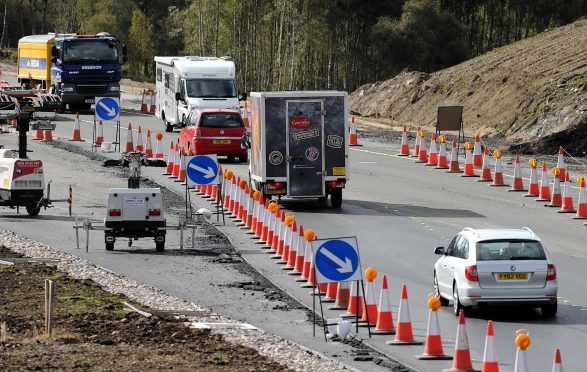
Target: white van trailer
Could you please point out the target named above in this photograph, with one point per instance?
(188, 83)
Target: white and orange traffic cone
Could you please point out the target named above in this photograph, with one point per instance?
(144, 107)
(182, 167)
(454, 158)
(129, 147)
(469, 168)
(48, 136)
(433, 347)
(582, 202)
(355, 307)
(170, 160)
(99, 134)
(518, 184)
(404, 147)
(442, 161)
(567, 197)
(307, 267)
(498, 172)
(177, 164)
(544, 192)
(299, 267)
(153, 106)
(140, 144)
(477, 155)
(342, 297)
(416, 144)
(353, 139)
(556, 199)
(148, 148)
(77, 134)
(533, 189)
(294, 242)
(462, 355)
(384, 325)
(433, 155)
(557, 365)
(490, 363)
(370, 313)
(522, 342)
(485, 169)
(560, 163)
(422, 155)
(331, 289)
(158, 150)
(39, 134)
(403, 333)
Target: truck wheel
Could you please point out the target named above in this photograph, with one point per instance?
(336, 198)
(33, 210)
(159, 246)
(110, 246)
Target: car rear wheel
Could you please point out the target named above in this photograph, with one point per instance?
(443, 301)
(243, 158)
(33, 210)
(549, 311)
(456, 303)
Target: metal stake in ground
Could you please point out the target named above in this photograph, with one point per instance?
(49, 306)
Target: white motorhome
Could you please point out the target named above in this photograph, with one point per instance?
(187, 83)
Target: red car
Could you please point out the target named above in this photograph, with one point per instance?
(214, 131)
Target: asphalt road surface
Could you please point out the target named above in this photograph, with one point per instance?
(400, 212)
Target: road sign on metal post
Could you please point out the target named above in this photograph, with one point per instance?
(336, 260)
(107, 109)
(202, 170)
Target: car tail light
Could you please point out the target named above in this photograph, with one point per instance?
(335, 184)
(154, 212)
(551, 272)
(114, 213)
(275, 185)
(278, 185)
(471, 273)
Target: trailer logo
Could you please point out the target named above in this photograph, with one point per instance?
(306, 134)
(32, 63)
(334, 141)
(312, 153)
(300, 122)
(275, 157)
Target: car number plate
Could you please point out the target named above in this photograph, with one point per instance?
(274, 192)
(512, 276)
(90, 100)
(221, 142)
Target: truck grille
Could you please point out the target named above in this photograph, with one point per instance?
(91, 89)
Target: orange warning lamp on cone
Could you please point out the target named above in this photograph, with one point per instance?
(308, 234)
(522, 342)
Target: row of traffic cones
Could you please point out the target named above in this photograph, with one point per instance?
(140, 147)
(475, 157)
(149, 101)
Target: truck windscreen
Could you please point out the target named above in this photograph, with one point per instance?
(210, 88)
(85, 51)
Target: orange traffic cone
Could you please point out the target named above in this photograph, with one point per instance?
(462, 356)
(558, 363)
(140, 147)
(533, 189)
(567, 198)
(498, 173)
(353, 139)
(490, 363)
(129, 147)
(292, 254)
(370, 315)
(266, 222)
(177, 164)
(260, 217)
(342, 297)
(477, 157)
(469, 169)
(404, 147)
(522, 342)
(544, 194)
(486, 170)
(582, 202)
(442, 161)
(518, 184)
(148, 148)
(48, 136)
(433, 156)
(76, 135)
(182, 168)
(307, 263)
(403, 333)
(422, 155)
(158, 150)
(433, 347)
(39, 135)
(384, 325)
(99, 134)
(556, 199)
(299, 266)
(153, 107)
(454, 158)
(560, 163)
(355, 307)
(144, 107)
(331, 290)
(170, 160)
(416, 144)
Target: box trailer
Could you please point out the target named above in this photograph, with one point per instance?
(299, 144)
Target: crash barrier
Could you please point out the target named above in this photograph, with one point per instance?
(557, 193)
(149, 101)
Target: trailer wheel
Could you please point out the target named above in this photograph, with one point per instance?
(33, 210)
(110, 246)
(160, 246)
(336, 198)
(243, 158)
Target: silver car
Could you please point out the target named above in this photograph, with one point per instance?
(494, 267)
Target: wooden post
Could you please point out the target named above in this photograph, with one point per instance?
(49, 306)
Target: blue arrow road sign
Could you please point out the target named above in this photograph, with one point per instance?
(336, 260)
(107, 109)
(202, 170)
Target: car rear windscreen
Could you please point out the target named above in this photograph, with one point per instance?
(496, 250)
(221, 121)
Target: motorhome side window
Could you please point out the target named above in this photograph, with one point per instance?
(159, 74)
(166, 80)
(171, 82)
(182, 88)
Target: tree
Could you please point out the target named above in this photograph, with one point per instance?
(140, 46)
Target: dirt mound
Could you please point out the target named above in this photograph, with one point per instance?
(531, 92)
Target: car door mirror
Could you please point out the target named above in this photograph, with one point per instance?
(439, 250)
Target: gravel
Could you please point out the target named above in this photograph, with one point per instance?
(281, 351)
